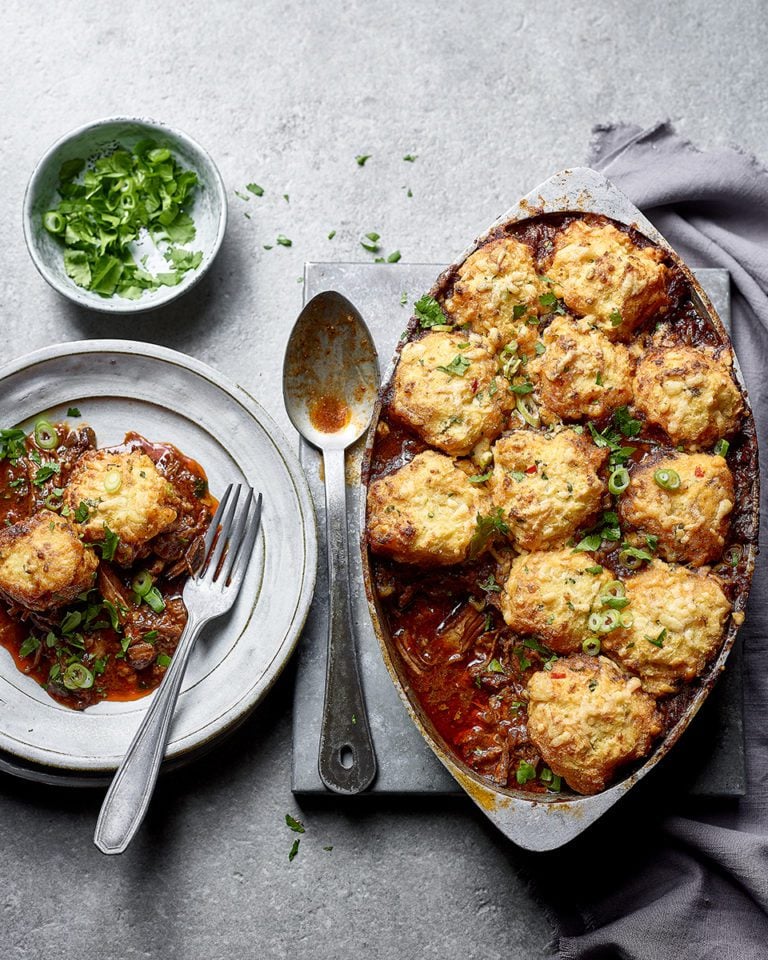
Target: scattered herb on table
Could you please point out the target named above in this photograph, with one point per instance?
(409, 157)
(73, 412)
(332, 234)
(284, 241)
(294, 850)
(361, 160)
(255, 189)
(117, 200)
(296, 825)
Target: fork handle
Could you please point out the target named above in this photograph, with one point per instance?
(346, 760)
(127, 799)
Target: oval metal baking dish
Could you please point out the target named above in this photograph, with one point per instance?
(546, 821)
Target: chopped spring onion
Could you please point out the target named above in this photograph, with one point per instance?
(46, 436)
(613, 595)
(142, 583)
(604, 621)
(667, 479)
(618, 481)
(113, 480)
(591, 646)
(721, 448)
(632, 558)
(626, 619)
(528, 411)
(54, 222)
(154, 599)
(77, 677)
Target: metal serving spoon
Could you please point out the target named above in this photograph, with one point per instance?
(330, 382)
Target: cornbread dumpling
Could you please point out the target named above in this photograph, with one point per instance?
(124, 492)
(546, 484)
(672, 641)
(684, 499)
(690, 393)
(581, 373)
(587, 718)
(496, 288)
(600, 273)
(43, 562)
(448, 390)
(551, 593)
(425, 512)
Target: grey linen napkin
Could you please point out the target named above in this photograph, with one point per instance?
(664, 876)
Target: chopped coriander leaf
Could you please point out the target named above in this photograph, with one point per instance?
(409, 157)
(429, 313)
(82, 513)
(657, 641)
(519, 310)
(45, 472)
(255, 189)
(525, 772)
(332, 234)
(109, 544)
(284, 241)
(522, 388)
(361, 160)
(480, 477)
(183, 260)
(12, 444)
(487, 526)
(73, 412)
(294, 850)
(296, 825)
(591, 542)
(30, 645)
(457, 367)
(615, 318)
(628, 425)
(495, 667)
(489, 584)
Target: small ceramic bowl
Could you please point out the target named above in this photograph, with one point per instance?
(208, 209)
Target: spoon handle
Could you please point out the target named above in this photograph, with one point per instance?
(346, 762)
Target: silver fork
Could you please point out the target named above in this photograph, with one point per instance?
(207, 595)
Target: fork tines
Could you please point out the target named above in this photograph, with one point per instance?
(231, 536)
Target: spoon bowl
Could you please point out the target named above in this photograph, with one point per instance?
(331, 373)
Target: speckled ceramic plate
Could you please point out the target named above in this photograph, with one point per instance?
(120, 386)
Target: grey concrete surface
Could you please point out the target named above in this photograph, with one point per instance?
(492, 99)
